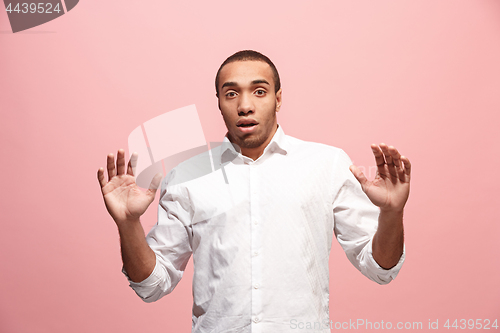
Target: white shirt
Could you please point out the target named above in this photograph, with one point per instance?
(260, 233)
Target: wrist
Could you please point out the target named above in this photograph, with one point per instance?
(391, 211)
(391, 217)
(127, 223)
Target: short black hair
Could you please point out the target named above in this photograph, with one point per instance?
(249, 55)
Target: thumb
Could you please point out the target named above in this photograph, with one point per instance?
(358, 174)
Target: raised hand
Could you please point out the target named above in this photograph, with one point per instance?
(391, 187)
(124, 200)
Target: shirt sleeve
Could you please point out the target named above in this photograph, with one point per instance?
(170, 239)
(355, 224)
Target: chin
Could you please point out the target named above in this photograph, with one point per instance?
(250, 142)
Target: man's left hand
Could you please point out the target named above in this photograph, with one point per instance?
(391, 187)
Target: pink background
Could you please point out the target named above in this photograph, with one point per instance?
(421, 75)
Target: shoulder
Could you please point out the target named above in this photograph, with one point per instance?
(327, 164)
(303, 148)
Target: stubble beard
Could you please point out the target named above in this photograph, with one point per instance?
(251, 141)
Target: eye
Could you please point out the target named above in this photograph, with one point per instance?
(230, 94)
(260, 92)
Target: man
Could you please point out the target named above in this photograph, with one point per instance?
(260, 227)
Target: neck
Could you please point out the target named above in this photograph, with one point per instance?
(253, 153)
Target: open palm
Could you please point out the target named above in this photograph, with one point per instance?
(391, 187)
(123, 198)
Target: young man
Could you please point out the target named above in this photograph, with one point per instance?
(260, 227)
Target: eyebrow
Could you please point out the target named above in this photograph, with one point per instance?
(260, 81)
(254, 82)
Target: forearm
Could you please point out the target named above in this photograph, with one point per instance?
(138, 259)
(388, 241)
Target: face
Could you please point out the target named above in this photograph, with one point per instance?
(248, 104)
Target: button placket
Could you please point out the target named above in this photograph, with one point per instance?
(256, 260)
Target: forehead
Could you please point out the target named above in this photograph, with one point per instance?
(244, 72)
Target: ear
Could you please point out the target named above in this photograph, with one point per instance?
(278, 100)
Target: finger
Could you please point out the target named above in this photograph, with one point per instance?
(100, 177)
(132, 164)
(396, 156)
(398, 166)
(111, 166)
(379, 155)
(407, 165)
(387, 154)
(155, 183)
(396, 159)
(379, 159)
(401, 173)
(389, 160)
(120, 162)
(358, 174)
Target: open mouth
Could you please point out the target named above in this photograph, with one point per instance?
(247, 125)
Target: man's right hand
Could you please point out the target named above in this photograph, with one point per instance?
(124, 200)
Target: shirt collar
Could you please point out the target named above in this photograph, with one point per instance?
(278, 144)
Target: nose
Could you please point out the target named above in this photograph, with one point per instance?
(245, 105)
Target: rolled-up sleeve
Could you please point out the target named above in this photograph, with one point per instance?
(170, 239)
(355, 224)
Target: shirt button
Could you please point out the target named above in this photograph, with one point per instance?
(256, 286)
(256, 319)
(255, 222)
(255, 253)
